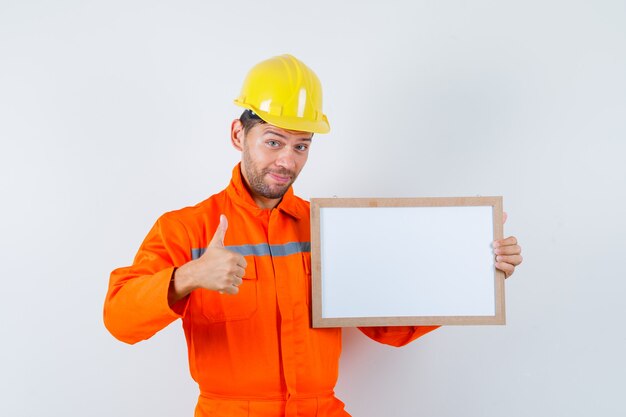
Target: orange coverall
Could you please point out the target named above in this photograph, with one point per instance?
(254, 353)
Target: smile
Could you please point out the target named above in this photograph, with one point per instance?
(279, 178)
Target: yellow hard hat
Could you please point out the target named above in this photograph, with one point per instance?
(285, 93)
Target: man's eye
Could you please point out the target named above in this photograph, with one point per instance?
(302, 147)
(273, 143)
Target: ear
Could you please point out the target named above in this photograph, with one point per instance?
(236, 134)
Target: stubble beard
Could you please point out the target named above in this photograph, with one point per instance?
(256, 178)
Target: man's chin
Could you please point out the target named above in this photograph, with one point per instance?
(276, 191)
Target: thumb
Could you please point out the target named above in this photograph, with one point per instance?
(218, 237)
(504, 217)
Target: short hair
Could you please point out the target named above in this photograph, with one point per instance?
(249, 119)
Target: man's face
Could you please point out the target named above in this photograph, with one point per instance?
(271, 160)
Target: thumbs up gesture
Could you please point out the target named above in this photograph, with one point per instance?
(218, 269)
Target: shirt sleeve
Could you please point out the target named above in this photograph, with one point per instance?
(396, 335)
(136, 305)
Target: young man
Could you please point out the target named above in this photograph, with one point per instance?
(236, 267)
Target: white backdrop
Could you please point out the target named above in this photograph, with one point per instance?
(112, 113)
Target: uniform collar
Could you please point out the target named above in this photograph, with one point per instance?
(238, 191)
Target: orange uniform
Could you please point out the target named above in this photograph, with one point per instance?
(254, 353)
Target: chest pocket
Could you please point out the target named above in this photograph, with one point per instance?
(218, 307)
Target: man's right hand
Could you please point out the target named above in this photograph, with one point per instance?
(218, 269)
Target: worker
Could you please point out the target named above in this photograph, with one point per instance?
(236, 268)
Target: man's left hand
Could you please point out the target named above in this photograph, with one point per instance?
(508, 255)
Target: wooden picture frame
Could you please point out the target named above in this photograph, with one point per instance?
(406, 261)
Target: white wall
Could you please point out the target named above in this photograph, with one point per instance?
(114, 112)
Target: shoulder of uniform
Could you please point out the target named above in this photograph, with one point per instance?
(301, 201)
(301, 208)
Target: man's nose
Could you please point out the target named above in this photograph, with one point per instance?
(286, 159)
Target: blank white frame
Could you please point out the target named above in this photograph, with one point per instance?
(411, 261)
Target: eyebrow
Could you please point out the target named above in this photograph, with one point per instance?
(273, 132)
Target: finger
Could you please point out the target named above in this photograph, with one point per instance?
(241, 262)
(237, 281)
(220, 232)
(514, 260)
(508, 250)
(507, 268)
(231, 289)
(504, 217)
(511, 240)
(239, 272)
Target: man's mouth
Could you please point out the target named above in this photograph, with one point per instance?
(280, 178)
